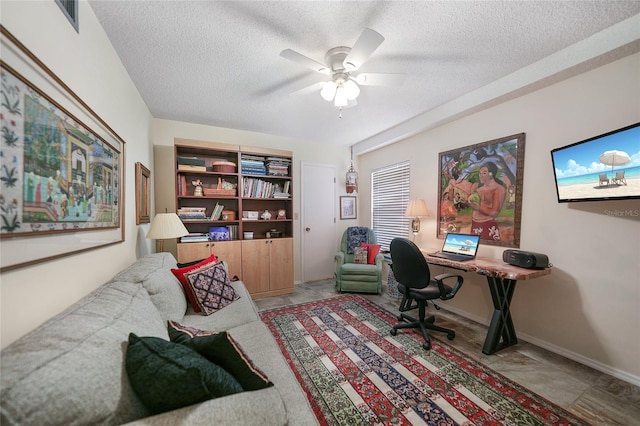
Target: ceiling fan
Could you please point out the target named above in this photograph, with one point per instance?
(341, 63)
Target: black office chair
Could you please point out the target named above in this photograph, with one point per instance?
(412, 273)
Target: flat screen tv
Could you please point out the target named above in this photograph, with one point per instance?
(604, 167)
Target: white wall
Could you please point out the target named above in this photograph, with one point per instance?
(589, 307)
(87, 63)
(166, 131)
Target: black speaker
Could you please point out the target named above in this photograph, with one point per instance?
(526, 259)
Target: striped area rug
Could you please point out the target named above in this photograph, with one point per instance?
(354, 372)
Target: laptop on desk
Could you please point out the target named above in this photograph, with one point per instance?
(458, 247)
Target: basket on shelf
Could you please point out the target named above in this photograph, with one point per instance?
(223, 167)
(218, 190)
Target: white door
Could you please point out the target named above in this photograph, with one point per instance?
(319, 245)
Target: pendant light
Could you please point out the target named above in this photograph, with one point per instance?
(352, 177)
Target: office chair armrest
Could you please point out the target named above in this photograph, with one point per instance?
(440, 281)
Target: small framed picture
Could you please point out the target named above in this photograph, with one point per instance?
(348, 208)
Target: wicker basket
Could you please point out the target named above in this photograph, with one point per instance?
(213, 192)
(223, 167)
(218, 191)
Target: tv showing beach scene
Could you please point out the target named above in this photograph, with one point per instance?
(603, 167)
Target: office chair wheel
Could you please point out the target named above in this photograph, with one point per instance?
(393, 331)
(451, 335)
(426, 346)
(400, 318)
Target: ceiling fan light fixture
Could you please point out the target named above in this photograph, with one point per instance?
(352, 89)
(329, 91)
(341, 97)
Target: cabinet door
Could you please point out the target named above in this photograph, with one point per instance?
(189, 252)
(255, 265)
(281, 256)
(230, 252)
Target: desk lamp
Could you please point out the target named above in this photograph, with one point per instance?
(165, 226)
(416, 207)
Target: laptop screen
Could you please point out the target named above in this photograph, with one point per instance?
(461, 244)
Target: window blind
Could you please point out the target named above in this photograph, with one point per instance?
(389, 200)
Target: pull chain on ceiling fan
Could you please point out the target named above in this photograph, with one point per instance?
(340, 63)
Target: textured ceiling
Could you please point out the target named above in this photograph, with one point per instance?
(218, 62)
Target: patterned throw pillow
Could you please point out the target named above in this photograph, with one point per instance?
(360, 255)
(186, 268)
(221, 349)
(211, 287)
(372, 252)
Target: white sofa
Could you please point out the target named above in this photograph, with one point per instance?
(71, 370)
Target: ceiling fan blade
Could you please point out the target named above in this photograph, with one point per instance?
(294, 56)
(380, 79)
(368, 41)
(309, 89)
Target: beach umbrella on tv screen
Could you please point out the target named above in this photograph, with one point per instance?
(614, 158)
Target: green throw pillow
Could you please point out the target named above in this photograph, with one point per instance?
(166, 375)
(221, 349)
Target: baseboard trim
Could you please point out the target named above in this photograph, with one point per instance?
(596, 365)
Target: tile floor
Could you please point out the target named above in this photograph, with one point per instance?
(594, 396)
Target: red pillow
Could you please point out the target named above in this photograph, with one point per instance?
(180, 275)
(372, 252)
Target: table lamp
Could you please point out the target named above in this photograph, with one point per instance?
(165, 226)
(416, 207)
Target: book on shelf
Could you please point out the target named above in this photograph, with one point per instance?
(192, 213)
(195, 238)
(277, 166)
(191, 168)
(217, 211)
(233, 232)
(190, 161)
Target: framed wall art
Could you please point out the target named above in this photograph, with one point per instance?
(143, 196)
(480, 190)
(62, 166)
(348, 208)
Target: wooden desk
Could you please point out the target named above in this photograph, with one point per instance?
(502, 279)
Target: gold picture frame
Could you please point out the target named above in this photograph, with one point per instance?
(143, 197)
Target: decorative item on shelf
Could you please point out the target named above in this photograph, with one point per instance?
(223, 188)
(274, 233)
(223, 166)
(228, 215)
(218, 233)
(416, 207)
(266, 215)
(248, 235)
(249, 215)
(282, 214)
(197, 192)
(165, 226)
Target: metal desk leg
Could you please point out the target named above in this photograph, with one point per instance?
(501, 326)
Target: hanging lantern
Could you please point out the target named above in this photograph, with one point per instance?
(352, 180)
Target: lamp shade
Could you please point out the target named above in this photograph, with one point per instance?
(165, 226)
(416, 207)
